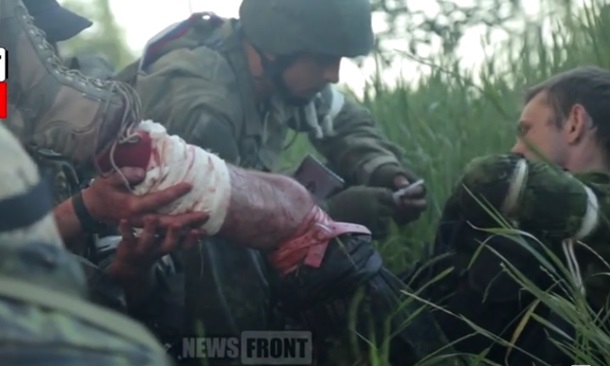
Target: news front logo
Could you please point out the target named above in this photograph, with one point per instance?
(252, 348)
(3, 83)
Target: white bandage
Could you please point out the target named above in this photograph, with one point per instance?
(174, 161)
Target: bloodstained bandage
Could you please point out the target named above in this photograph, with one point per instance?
(3, 83)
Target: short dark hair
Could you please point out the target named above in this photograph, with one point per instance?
(588, 86)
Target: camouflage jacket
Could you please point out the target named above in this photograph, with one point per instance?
(199, 86)
(564, 212)
(46, 319)
(507, 215)
(59, 172)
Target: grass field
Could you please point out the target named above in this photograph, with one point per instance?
(453, 115)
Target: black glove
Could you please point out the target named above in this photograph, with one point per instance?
(372, 207)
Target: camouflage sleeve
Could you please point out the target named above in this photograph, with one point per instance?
(566, 213)
(358, 147)
(193, 94)
(544, 200)
(46, 319)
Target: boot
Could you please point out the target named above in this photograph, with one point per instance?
(60, 109)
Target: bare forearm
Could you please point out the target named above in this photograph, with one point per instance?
(264, 209)
(68, 225)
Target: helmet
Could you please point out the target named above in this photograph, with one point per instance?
(330, 27)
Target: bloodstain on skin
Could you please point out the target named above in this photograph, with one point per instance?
(137, 154)
(265, 210)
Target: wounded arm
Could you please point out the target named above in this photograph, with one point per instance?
(250, 208)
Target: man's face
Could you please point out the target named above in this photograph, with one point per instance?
(538, 133)
(309, 74)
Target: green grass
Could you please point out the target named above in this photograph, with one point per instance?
(454, 115)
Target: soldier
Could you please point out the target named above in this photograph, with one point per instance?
(240, 220)
(236, 88)
(44, 314)
(560, 195)
(60, 24)
(95, 115)
(62, 112)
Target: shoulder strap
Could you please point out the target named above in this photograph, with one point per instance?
(93, 314)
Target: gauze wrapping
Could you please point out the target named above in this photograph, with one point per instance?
(174, 161)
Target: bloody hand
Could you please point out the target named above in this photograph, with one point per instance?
(137, 255)
(108, 200)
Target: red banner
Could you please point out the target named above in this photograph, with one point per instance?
(3, 100)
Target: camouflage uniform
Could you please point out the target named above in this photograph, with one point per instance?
(61, 174)
(60, 24)
(194, 79)
(44, 314)
(53, 132)
(556, 207)
(55, 108)
(200, 88)
(64, 179)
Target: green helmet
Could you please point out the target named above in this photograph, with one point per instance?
(330, 27)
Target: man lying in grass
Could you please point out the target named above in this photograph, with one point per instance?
(557, 214)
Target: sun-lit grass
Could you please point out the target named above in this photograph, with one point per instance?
(454, 115)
